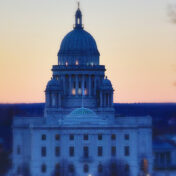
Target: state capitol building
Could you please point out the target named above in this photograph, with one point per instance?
(80, 133)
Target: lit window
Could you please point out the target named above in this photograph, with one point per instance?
(77, 63)
(85, 91)
(73, 91)
(43, 137)
(43, 168)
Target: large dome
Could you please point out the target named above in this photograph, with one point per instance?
(78, 47)
(78, 42)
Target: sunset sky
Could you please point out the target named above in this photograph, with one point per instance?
(136, 40)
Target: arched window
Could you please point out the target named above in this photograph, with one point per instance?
(86, 168)
(43, 168)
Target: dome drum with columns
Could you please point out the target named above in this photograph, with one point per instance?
(78, 74)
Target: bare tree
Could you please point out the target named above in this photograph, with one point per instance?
(114, 168)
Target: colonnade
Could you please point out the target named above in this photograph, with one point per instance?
(106, 98)
(78, 84)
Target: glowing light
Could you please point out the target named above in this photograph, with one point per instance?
(66, 63)
(73, 91)
(85, 92)
(77, 63)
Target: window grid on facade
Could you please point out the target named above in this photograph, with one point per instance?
(57, 137)
(113, 151)
(71, 151)
(100, 151)
(100, 137)
(18, 150)
(57, 151)
(71, 137)
(126, 151)
(127, 136)
(113, 137)
(71, 168)
(43, 168)
(86, 168)
(43, 137)
(43, 151)
(86, 137)
(100, 168)
(86, 151)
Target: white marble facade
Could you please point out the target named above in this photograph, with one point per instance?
(80, 132)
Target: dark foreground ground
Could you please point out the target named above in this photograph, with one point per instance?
(163, 114)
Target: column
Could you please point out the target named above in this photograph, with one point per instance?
(108, 99)
(104, 99)
(89, 85)
(95, 85)
(76, 78)
(59, 100)
(101, 99)
(70, 85)
(64, 84)
(82, 84)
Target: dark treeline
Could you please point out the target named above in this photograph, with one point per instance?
(163, 114)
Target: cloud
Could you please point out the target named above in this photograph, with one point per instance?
(172, 12)
(174, 84)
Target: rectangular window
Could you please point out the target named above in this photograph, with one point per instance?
(71, 151)
(43, 137)
(57, 137)
(86, 151)
(57, 151)
(126, 136)
(113, 137)
(113, 151)
(18, 150)
(100, 150)
(86, 137)
(71, 137)
(43, 151)
(99, 136)
(126, 151)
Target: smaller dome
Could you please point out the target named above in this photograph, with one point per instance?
(82, 112)
(106, 84)
(53, 84)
